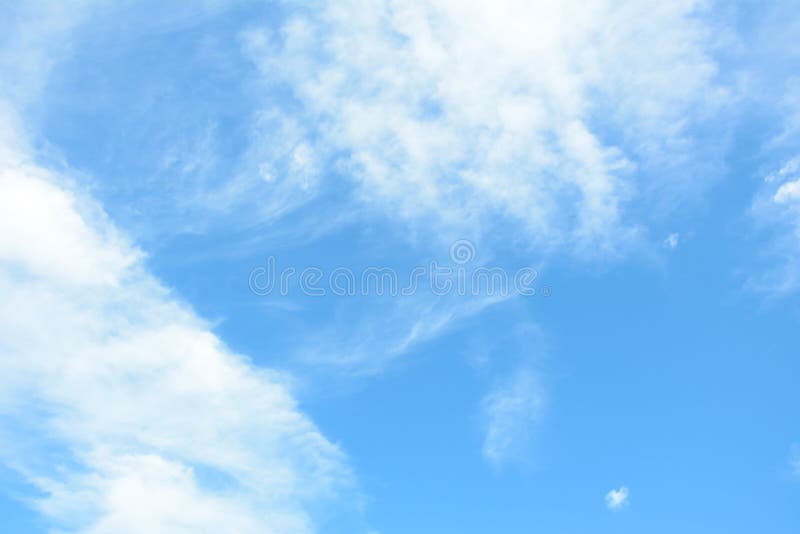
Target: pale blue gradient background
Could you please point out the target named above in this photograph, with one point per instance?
(662, 371)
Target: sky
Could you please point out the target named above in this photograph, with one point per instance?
(387, 267)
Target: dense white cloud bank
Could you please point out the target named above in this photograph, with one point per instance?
(550, 115)
(119, 404)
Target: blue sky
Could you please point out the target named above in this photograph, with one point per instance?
(640, 159)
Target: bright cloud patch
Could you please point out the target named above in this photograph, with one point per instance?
(788, 192)
(120, 405)
(451, 111)
(617, 498)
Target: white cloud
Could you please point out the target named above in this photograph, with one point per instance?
(776, 210)
(617, 498)
(510, 411)
(119, 403)
(671, 241)
(788, 192)
(790, 168)
(461, 111)
(787, 180)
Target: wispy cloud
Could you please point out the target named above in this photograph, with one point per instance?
(671, 241)
(510, 411)
(135, 415)
(367, 337)
(776, 211)
(461, 112)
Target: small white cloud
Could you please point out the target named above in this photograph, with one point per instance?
(672, 241)
(617, 498)
(788, 192)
